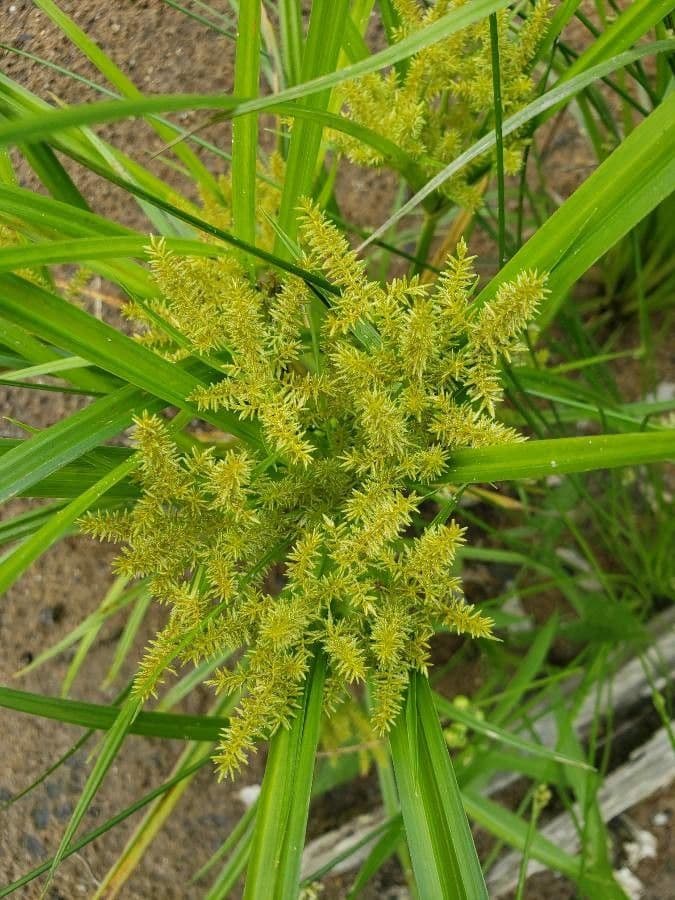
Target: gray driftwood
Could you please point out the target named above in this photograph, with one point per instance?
(650, 768)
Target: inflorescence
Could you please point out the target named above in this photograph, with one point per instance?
(435, 105)
(314, 543)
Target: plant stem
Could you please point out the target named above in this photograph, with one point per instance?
(424, 243)
(283, 807)
(443, 855)
(245, 128)
(497, 90)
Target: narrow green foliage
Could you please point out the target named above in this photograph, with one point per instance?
(245, 128)
(498, 112)
(28, 462)
(345, 433)
(13, 565)
(171, 726)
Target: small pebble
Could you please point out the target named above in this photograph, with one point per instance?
(40, 816)
(51, 615)
(76, 761)
(660, 819)
(54, 788)
(644, 846)
(64, 811)
(76, 780)
(631, 884)
(34, 846)
(249, 794)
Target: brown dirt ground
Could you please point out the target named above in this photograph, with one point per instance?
(162, 51)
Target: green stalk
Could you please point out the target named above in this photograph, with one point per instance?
(156, 817)
(444, 858)
(283, 806)
(290, 21)
(499, 139)
(425, 241)
(324, 39)
(245, 128)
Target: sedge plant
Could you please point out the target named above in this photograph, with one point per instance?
(313, 424)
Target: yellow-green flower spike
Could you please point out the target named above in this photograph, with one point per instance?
(434, 108)
(315, 543)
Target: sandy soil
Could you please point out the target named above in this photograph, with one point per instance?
(162, 51)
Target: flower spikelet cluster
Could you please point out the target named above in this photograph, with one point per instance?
(436, 105)
(315, 543)
(185, 317)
